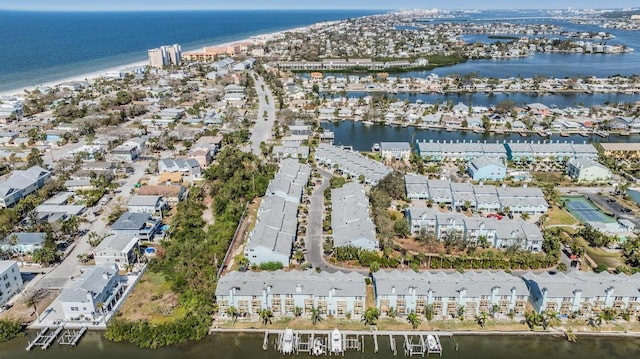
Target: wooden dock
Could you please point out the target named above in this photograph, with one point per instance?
(45, 338)
(72, 336)
(415, 342)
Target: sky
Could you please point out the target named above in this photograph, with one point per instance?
(122, 5)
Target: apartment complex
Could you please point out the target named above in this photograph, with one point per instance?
(338, 294)
(164, 56)
(350, 220)
(22, 183)
(351, 163)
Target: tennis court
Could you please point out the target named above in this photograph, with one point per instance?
(585, 211)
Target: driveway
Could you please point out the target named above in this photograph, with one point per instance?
(262, 129)
(313, 242)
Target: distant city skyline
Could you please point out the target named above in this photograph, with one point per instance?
(138, 5)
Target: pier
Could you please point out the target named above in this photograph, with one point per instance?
(72, 336)
(337, 342)
(45, 338)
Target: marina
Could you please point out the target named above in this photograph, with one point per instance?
(337, 342)
(46, 336)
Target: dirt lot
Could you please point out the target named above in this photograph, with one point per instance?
(151, 299)
(26, 314)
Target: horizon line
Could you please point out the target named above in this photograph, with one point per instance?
(306, 9)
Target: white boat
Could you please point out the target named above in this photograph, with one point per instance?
(376, 147)
(432, 343)
(335, 345)
(318, 347)
(287, 342)
(367, 123)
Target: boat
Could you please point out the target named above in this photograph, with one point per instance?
(522, 133)
(318, 347)
(432, 343)
(547, 133)
(450, 129)
(564, 134)
(336, 342)
(625, 133)
(584, 134)
(376, 147)
(287, 342)
(602, 133)
(367, 123)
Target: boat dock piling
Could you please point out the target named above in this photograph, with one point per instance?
(338, 342)
(72, 336)
(44, 339)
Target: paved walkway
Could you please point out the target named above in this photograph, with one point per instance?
(261, 131)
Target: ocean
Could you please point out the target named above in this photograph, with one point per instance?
(40, 47)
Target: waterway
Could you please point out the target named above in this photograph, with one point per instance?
(520, 98)
(362, 137)
(231, 346)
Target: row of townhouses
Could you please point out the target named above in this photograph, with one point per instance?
(350, 220)
(479, 197)
(276, 227)
(351, 163)
(502, 233)
(22, 183)
(445, 294)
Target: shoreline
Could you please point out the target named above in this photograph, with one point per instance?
(454, 333)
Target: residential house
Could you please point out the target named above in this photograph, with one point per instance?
(351, 164)
(21, 183)
(621, 150)
(145, 204)
(449, 294)
(186, 166)
(339, 294)
(23, 242)
(10, 281)
(126, 152)
(93, 294)
(588, 170)
(485, 168)
(350, 220)
(395, 150)
(140, 225)
(117, 249)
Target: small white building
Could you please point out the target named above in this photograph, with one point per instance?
(117, 249)
(10, 280)
(145, 204)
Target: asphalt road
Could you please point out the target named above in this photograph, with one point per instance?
(262, 129)
(313, 242)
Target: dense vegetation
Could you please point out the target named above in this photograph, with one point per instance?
(194, 252)
(9, 329)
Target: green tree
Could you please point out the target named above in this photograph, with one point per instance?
(414, 320)
(34, 158)
(371, 316)
(232, 313)
(481, 319)
(265, 316)
(428, 312)
(316, 316)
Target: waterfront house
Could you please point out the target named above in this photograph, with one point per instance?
(117, 249)
(588, 170)
(337, 294)
(485, 168)
(449, 294)
(395, 150)
(350, 220)
(93, 294)
(21, 183)
(620, 150)
(585, 293)
(23, 242)
(10, 280)
(140, 225)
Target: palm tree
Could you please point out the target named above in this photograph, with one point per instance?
(371, 316)
(232, 312)
(525, 216)
(297, 311)
(392, 313)
(266, 315)
(428, 312)
(552, 319)
(481, 319)
(460, 313)
(414, 320)
(316, 317)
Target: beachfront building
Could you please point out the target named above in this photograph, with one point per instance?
(94, 293)
(549, 151)
(22, 183)
(486, 168)
(276, 227)
(480, 197)
(338, 294)
(164, 56)
(120, 250)
(457, 150)
(395, 150)
(588, 170)
(350, 220)
(449, 294)
(351, 163)
(502, 234)
(10, 281)
(586, 293)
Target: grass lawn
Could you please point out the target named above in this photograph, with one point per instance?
(152, 299)
(549, 177)
(559, 216)
(610, 259)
